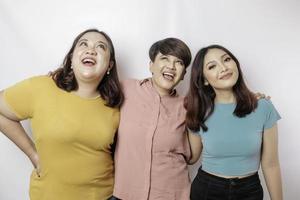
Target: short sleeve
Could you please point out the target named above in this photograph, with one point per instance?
(272, 116)
(19, 99)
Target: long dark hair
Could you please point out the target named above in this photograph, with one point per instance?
(199, 101)
(109, 88)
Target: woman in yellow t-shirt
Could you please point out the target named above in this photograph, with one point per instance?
(74, 114)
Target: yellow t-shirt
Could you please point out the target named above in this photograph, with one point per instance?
(73, 138)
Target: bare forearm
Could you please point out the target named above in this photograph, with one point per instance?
(16, 133)
(193, 160)
(273, 181)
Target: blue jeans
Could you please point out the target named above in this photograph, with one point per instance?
(209, 187)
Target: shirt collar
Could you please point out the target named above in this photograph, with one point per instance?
(149, 80)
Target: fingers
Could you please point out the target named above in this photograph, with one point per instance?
(261, 96)
(38, 171)
(36, 163)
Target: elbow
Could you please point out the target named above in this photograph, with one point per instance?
(193, 160)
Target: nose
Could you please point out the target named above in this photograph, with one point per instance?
(223, 67)
(91, 51)
(171, 65)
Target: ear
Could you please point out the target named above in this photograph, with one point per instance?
(206, 82)
(111, 64)
(151, 66)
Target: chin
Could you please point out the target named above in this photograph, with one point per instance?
(168, 86)
(89, 77)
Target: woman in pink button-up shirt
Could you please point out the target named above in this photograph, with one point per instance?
(152, 148)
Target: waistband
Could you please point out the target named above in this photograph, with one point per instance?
(228, 180)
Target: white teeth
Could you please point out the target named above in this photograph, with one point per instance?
(88, 60)
(169, 74)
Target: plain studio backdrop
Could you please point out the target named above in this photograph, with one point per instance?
(264, 36)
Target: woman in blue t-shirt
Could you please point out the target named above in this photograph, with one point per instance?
(232, 130)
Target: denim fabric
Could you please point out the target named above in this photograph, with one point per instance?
(209, 187)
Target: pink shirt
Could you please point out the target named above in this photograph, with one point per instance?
(152, 146)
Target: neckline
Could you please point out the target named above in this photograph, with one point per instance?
(225, 104)
(171, 95)
(73, 95)
(84, 98)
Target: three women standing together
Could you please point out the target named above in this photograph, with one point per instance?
(74, 115)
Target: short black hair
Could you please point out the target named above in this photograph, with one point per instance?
(171, 46)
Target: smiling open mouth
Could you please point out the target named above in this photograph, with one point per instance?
(169, 76)
(88, 61)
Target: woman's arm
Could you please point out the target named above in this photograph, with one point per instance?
(196, 147)
(11, 127)
(270, 163)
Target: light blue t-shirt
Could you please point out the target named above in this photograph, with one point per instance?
(232, 145)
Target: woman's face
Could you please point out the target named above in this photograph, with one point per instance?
(219, 70)
(167, 72)
(91, 57)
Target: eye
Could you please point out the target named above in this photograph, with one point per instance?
(164, 58)
(211, 67)
(101, 46)
(180, 62)
(227, 59)
(83, 43)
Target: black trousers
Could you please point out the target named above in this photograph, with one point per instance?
(113, 198)
(209, 187)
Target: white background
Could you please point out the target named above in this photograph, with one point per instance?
(263, 34)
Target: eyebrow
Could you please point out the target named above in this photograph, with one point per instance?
(162, 55)
(225, 54)
(106, 45)
(209, 62)
(82, 40)
(176, 58)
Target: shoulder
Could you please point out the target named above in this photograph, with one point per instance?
(265, 105)
(42, 82)
(180, 100)
(42, 79)
(267, 109)
(269, 112)
(32, 83)
(128, 82)
(133, 84)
